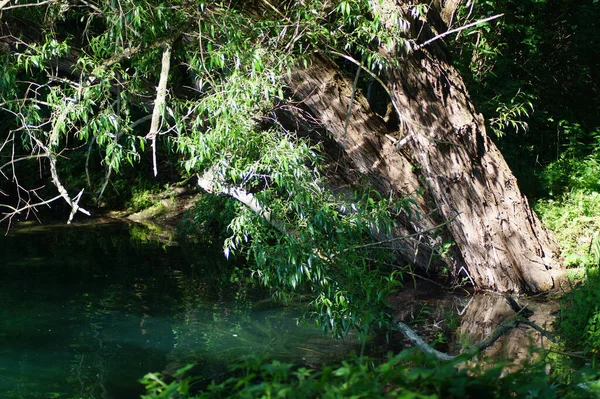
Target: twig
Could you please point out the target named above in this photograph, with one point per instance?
(349, 113)
(373, 75)
(15, 211)
(87, 162)
(3, 4)
(539, 329)
(106, 181)
(440, 36)
(371, 244)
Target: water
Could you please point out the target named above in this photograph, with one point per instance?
(87, 311)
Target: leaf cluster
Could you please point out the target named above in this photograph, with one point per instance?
(409, 374)
(85, 96)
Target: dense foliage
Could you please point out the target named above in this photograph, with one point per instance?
(78, 90)
(407, 375)
(534, 76)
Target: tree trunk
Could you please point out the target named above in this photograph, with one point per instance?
(362, 154)
(501, 243)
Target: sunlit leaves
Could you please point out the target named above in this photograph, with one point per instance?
(512, 116)
(226, 87)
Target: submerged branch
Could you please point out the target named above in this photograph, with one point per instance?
(502, 329)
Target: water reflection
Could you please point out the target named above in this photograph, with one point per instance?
(487, 312)
(453, 322)
(87, 311)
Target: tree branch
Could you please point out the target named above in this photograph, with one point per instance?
(159, 103)
(4, 2)
(440, 36)
(49, 150)
(502, 329)
(207, 183)
(414, 337)
(16, 211)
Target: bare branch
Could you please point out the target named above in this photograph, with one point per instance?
(15, 211)
(503, 328)
(414, 337)
(481, 21)
(41, 3)
(208, 183)
(159, 103)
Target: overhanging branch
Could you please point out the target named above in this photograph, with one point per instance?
(209, 183)
(159, 103)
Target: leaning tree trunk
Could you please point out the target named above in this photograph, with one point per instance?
(500, 242)
(361, 153)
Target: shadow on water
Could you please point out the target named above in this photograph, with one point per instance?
(87, 311)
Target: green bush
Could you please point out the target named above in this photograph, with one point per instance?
(574, 219)
(579, 322)
(409, 374)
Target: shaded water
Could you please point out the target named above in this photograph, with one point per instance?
(87, 311)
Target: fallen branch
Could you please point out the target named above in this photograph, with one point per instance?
(414, 337)
(502, 329)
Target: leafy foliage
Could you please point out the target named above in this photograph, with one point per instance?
(227, 82)
(540, 55)
(408, 375)
(579, 323)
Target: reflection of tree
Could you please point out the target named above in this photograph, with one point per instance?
(486, 313)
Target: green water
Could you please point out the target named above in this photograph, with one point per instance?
(86, 311)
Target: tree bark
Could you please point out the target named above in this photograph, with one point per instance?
(361, 155)
(500, 242)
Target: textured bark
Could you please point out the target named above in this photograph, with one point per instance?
(362, 155)
(501, 243)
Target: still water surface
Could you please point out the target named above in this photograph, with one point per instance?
(86, 311)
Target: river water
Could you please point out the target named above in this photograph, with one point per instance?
(86, 311)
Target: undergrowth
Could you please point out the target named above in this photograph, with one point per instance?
(410, 374)
(575, 220)
(579, 321)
